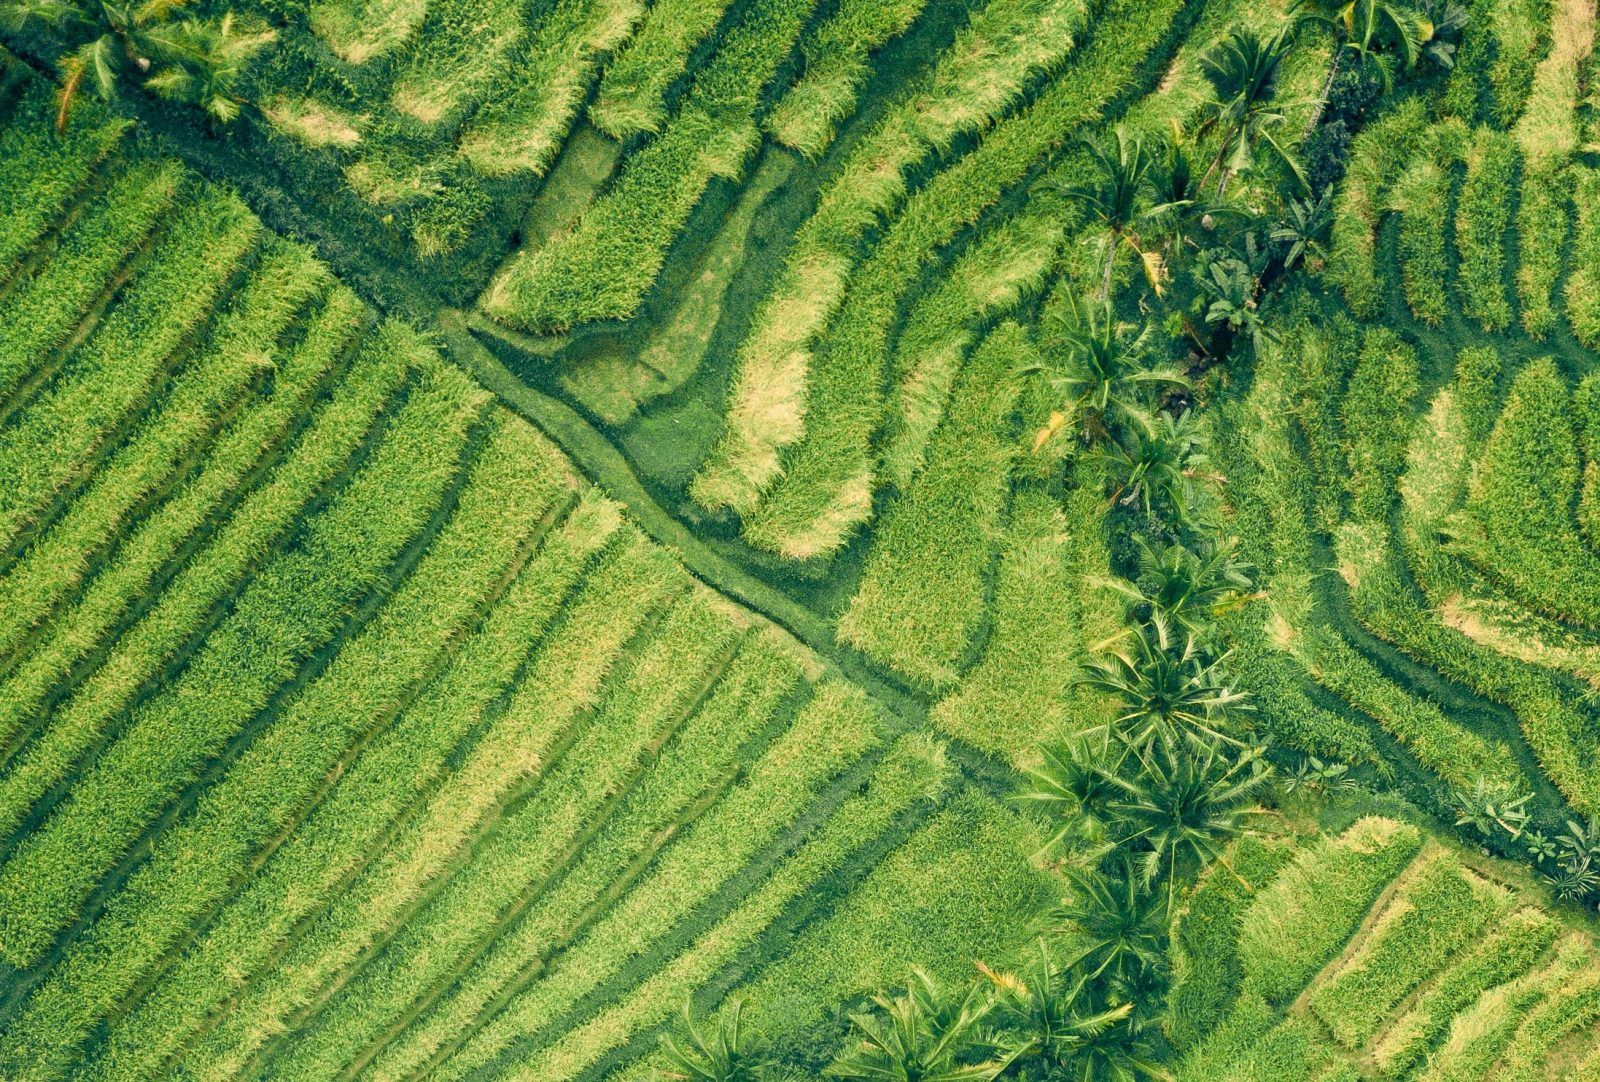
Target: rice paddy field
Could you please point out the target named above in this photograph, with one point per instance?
(566, 509)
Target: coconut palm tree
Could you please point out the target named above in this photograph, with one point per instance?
(697, 1053)
(1156, 461)
(1048, 1010)
(1117, 196)
(155, 43)
(1243, 71)
(1104, 375)
(1168, 690)
(1186, 804)
(1190, 588)
(926, 1034)
(1114, 928)
(1074, 784)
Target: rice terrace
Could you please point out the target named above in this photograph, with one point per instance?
(768, 540)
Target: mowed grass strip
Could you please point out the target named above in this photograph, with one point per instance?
(699, 765)
(194, 864)
(43, 311)
(211, 574)
(837, 62)
(1440, 908)
(922, 594)
(564, 681)
(296, 603)
(400, 768)
(601, 267)
(522, 129)
(993, 59)
(134, 349)
(41, 169)
(212, 401)
(633, 92)
(914, 769)
(683, 658)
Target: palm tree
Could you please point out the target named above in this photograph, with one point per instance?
(1186, 805)
(1074, 784)
(1105, 375)
(1168, 690)
(1118, 196)
(1049, 1009)
(1156, 461)
(1115, 928)
(177, 56)
(1243, 70)
(924, 1035)
(1190, 588)
(1232, 289)
(697, 1054)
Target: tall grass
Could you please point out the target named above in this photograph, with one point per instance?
(521, 130)
(401, 766)
(923, 592)
(1007, 43)
(197, 862)
(363, 30)
(836, 64)
(1378, 155)
(633, 93)
(1482, 215)
(1582, 290)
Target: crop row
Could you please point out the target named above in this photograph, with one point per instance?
(362, 30)
(922, 594)
(402, 765)
(40, 169)
(133, 351)
(975, 888)
(194, 864)
(564, 681)
(1439, 908)
(913, 770)
(978, 78)
(1378, 155)
(1480, 1033)
(689, 782)
(521, 130)
(1482, 213)
(602, 267)
(211, 400)
(1044, 612)
(633, 93)
(1510, 949)
(461, 50)
(836, 65)
(826, 488)
(1569, 1012)
(1582, 291)
(1422, 194)
(673, 671)
(1009, 263)
(297, 602)
(214, 571)
(43, 311)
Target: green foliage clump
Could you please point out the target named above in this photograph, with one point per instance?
(1377, 419)
(1482, 215)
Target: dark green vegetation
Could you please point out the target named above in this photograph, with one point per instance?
(563, 509)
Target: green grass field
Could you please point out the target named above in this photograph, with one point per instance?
(567, 513)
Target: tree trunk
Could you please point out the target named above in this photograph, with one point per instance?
(1327, 88)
